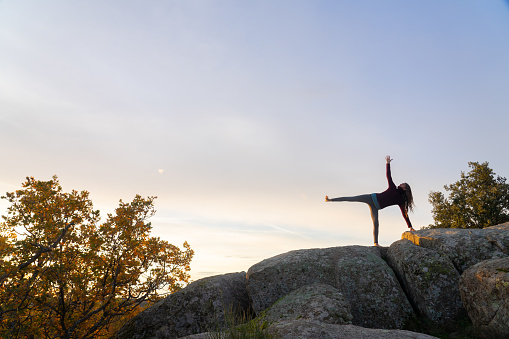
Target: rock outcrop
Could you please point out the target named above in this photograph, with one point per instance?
(465, 247)
(370, 285)
(197, 308)
(429, 280)
(309, 329)
(313, 329)
(485, 293)
(430, 276)
(319, 302)
(273, 278)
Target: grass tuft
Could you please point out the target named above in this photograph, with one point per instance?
(241, 325)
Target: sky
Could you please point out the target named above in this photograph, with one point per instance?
(240, 116)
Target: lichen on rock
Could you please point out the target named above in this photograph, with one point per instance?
(319, 302)
(359, 272)
(484, 290)
(430, 281)
(465, 247)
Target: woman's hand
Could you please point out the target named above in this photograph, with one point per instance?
(388, 159)
(326, 198)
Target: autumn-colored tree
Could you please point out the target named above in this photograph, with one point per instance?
(64, 274)
(479, 199)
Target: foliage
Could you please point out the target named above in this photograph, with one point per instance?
(64, 274)
(241, 325)
(477, 200)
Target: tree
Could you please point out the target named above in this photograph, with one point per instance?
(477, 200)
(64, 274)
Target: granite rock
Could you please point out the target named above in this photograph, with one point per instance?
(465, 247)
(197, 308)
(484, 290)
(358, 272)
(319, 302)
(430, 280)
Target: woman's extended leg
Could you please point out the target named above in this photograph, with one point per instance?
(367, 199)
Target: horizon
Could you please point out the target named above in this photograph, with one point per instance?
(241, 117)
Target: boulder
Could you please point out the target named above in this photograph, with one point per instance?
(371, 287)
(313, 329)
(430, 281)
(273, 278)
(358, 272)
(197, 308)
(319, 302)
(465, 247)
(307, 329)
(485, 293)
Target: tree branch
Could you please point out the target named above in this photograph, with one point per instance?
(42, 249)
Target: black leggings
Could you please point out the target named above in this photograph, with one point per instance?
(365, 198)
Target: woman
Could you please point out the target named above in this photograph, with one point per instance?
(401, 196)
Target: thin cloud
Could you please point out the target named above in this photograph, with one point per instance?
(287, 231)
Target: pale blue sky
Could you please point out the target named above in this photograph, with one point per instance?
(242, 115)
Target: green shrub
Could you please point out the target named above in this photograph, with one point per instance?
(241, 325)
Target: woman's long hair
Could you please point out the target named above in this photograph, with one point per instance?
(409, 199)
